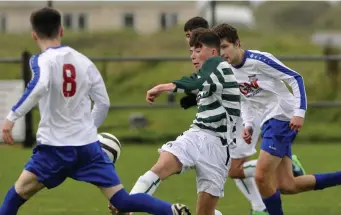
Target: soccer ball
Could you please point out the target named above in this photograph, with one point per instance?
(110, 145)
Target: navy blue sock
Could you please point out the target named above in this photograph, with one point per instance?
(140, 202)
(12, 203)
(327, 180)
(274, 204)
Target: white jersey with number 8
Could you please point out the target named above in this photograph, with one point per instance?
(63, 82)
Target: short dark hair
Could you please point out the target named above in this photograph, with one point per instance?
(194, 23)
(46, 22)
(226, 32)
(202, 36)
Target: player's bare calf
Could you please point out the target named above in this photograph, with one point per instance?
(288, 184)
(237, 169)
(167, 165)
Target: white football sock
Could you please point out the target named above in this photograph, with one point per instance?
(250, 190)
(249, 168)
(216, 212)
(146, 183)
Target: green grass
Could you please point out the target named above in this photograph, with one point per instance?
(73, 198)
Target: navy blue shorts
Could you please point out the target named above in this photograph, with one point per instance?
(277, 138)
(88, 163)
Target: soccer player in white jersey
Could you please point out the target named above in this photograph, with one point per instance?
(63, 82)
(261, 80)
(204, 145)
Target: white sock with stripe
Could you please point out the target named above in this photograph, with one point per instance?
(249, 188)
(146, 183)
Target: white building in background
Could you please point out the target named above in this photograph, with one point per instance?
(231, 14)
(144, 17)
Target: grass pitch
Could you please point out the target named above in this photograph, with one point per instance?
(76, 198)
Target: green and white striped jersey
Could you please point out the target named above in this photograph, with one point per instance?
(218, 98)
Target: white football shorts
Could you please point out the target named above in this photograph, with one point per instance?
(242, 149)
(200, 150)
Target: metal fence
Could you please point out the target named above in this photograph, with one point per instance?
(26, 75)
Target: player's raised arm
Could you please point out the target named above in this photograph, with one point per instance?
(185, 84)
(189, 84)
(200, 80)
(99, 94)
(38, 86)
(276, 69)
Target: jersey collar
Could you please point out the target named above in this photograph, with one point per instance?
(56, 47)
(246, 53)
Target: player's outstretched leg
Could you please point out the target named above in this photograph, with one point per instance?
(268, 165)
(142, 202)
(146, 183)
(25, 187)
(166, 166)
(101, 173)
(274, 168)
(293, 185)
(242, 172)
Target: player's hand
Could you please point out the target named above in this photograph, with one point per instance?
(156, 91)
(111, 208)
(296, 123)
(247, 134)
(152, 94)
(7, 132)
(188, 101)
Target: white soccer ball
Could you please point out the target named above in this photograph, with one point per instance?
(110, 145)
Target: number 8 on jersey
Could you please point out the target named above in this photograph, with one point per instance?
(69, 83)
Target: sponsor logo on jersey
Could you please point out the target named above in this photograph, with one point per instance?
(250, 88)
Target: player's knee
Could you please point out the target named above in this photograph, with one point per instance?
(236, 171)
(24, 190)
(262, 176)
(20, 188)
(166, 166)
(260, 179)
(27, 185)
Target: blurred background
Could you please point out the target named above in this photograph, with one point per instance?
(138, 44)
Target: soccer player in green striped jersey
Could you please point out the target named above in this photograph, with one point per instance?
(204, 146)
